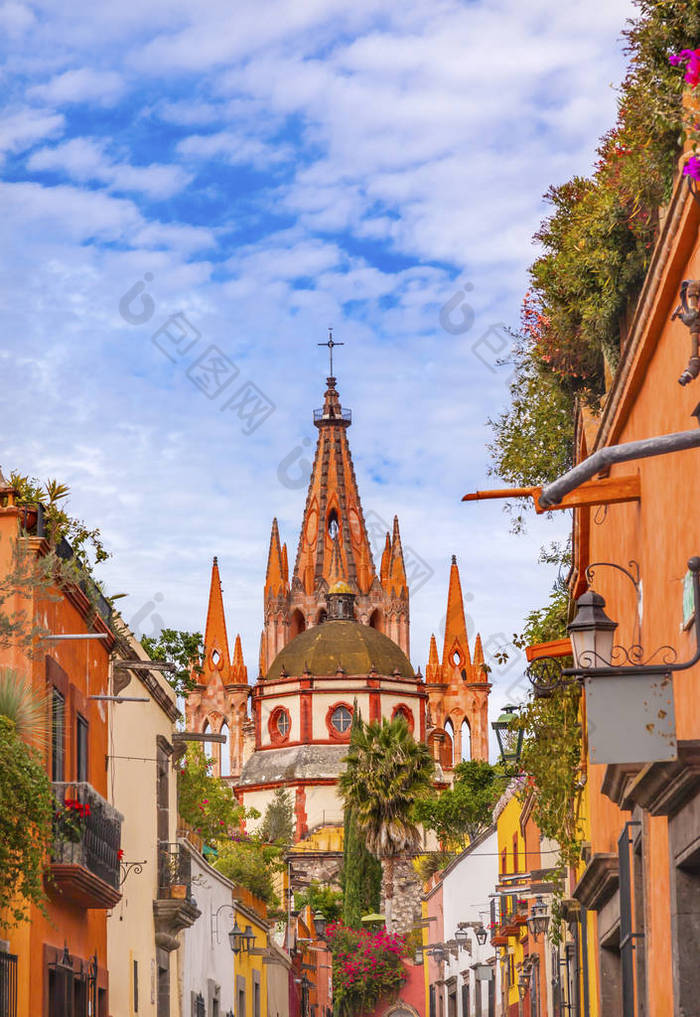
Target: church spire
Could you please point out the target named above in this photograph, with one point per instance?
(398, 584)
(239, 672)
(455, 651)
(432, 671)
(333, 522)
(215, 638)
(275, 583)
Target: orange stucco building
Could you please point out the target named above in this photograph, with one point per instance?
(642, 873)
(60, 957)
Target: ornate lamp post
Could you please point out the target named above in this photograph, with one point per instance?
(510, 739)
(538, 920)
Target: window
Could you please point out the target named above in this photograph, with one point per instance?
(81, 744)
(8, 984)
(341, 719)
(333, 524)
(504, 862)
(279, 725)
(516, 860)
(136, 986)
(225, 753)
(58, 733)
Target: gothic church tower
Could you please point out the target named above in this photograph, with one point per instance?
(333, 545)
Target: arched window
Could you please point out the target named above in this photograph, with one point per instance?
(449, 744)
(376, 620)
(333, 526)
(225, 753)
(296, 624)
(208, 746)
(322, 615)
(466, 741)
(403, 711)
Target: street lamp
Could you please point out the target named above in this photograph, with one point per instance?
(249, 939)
(462, 933)
(591, 632)
(510, 738)
(538, 920)
(235, 936)
(481, 935)
(320, 924)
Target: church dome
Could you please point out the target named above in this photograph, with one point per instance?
(348, 644)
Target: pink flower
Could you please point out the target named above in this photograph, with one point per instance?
(692, 168)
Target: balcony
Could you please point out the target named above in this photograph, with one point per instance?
(85, 866)
(175, 908)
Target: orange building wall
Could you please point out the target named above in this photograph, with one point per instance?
(660, 532)
(86, 663)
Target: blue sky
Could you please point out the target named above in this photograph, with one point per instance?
(233, 179)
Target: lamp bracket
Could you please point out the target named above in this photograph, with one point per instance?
(546, 673)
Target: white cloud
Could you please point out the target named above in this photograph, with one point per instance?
(22, 128)
(84, 159)
(237, 148)
(15, 19)
(399, 152)
(81, 85)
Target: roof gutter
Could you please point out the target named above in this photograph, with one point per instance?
(661, 445)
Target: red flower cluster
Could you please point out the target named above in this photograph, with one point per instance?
(366, 964)
(81, 808)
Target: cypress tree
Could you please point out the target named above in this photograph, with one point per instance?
(362, 872)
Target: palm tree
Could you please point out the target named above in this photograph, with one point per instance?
(26, 708)
(387, 771)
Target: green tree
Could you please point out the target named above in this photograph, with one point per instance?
(27, 808)
(183, 649)
(361, 876)
(205, 802)
(460, 813)
(325, 899)
(249, 862)
(277, 826)
(86, 543)
(386, 773)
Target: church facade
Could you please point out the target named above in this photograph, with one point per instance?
(335, 638)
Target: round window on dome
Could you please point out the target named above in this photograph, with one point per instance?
(341, 719)
(283, 723)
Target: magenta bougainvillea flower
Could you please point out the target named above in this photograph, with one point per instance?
(692, 168)
(691, 59)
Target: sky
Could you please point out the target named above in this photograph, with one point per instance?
(192, 193)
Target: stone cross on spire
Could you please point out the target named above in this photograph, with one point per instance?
(331, 344)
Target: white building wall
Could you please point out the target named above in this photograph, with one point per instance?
(207, 958)
(467, 883)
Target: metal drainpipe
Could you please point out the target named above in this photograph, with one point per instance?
(661, 445)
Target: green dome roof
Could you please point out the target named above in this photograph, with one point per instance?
(348, 644)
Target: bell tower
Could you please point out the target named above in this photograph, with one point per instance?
(218, 703)
(458, 687)
(333, 545)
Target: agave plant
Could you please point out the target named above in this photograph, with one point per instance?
(26, 708)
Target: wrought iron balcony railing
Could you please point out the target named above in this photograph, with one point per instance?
(87, 832)
(174, 871)
(8, 984)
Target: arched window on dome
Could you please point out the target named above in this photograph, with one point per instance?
(296, 624)
(321, 616)
(449, 753)
(376, 620)
(465, 733)
(225, 753)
